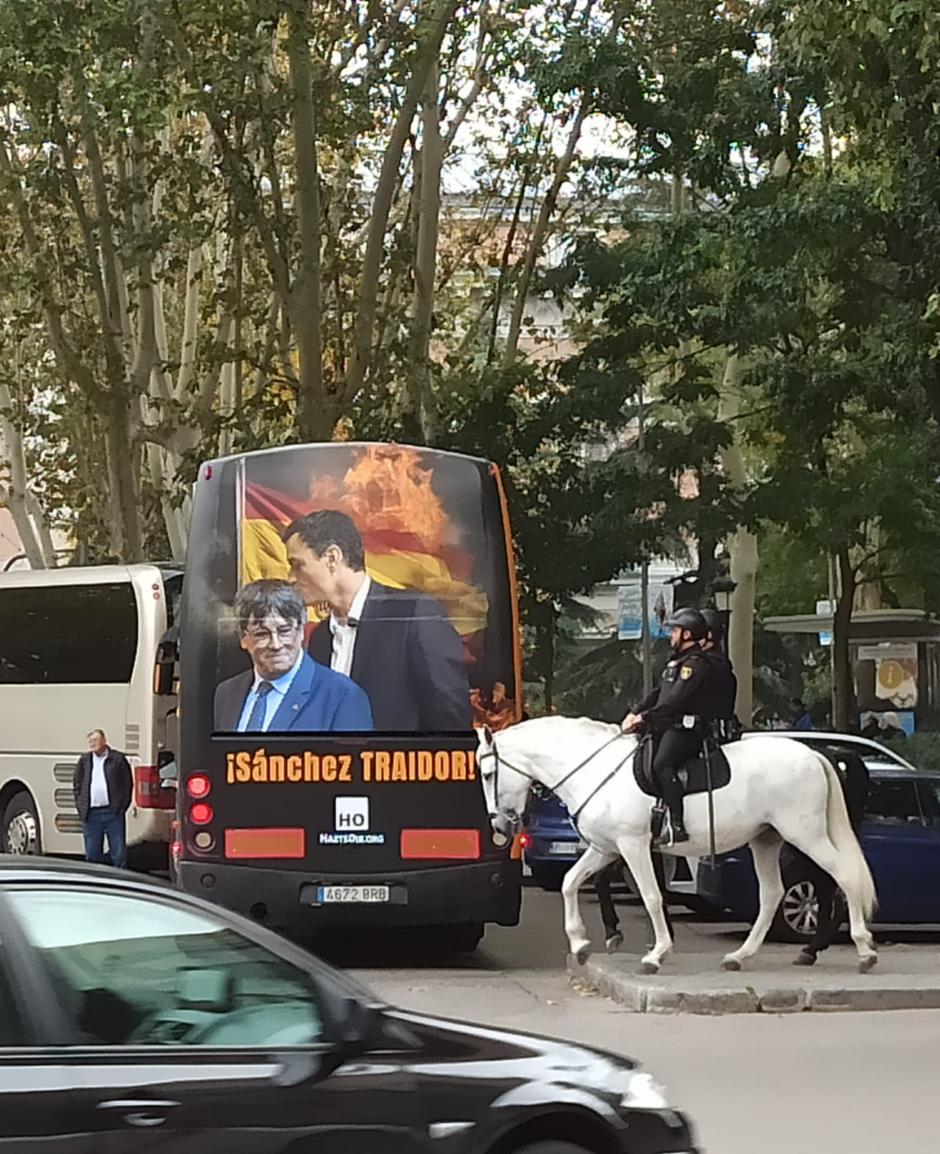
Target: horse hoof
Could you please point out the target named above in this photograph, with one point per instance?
(582, 954)
(613, 943)
(732, 965)
(649, 967)
(866, 965)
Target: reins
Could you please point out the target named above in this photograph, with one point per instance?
(494, 753)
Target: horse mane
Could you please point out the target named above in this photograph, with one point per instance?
(587, 725)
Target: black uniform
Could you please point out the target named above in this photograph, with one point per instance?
(678, 715)
(725, 694)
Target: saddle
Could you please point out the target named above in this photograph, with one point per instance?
(693, 775)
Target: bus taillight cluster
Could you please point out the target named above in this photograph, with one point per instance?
(201, 813)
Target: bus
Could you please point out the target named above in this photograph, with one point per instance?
(371, 586)
(78, 648)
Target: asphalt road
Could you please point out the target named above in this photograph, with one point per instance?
(755, 1084)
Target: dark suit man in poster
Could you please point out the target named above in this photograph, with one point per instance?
(285, 690)
(397, 644)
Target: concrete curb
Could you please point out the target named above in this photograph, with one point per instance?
(755, 992)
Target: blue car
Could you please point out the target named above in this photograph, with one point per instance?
(900, 837)
(551, 843)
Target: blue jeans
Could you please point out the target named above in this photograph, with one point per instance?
(98, 823)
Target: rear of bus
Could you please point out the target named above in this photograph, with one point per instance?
(77, 651)
(366, 827)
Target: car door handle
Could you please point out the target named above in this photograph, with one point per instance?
(143, 1112)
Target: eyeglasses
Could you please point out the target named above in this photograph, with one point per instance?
(283, 633)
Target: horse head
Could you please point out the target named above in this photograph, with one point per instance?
(505, 787)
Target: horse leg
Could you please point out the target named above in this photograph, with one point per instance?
(587, 864)
(636, 853)
(827, 857)
(765, 849)
(613, 938)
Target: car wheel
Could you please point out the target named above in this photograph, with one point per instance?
(798, 913)
(21, 833)
(548, 877)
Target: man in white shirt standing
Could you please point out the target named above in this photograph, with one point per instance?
(103, 787)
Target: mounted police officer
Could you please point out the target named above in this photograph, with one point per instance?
(727, 726)
(678, 714)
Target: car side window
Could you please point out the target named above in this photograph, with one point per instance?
(893, 803)
(930, 796)
(11, 1026)
(129, 970)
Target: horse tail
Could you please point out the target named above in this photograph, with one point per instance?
(846, 844)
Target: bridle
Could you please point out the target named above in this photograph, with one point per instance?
(516, 819)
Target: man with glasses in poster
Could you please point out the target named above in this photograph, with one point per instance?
(285, 690)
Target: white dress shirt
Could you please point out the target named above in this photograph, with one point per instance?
(99, 783)
(344, 632)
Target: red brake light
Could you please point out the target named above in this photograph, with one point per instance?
(201, 813)
(198, 785)
(148, 791)
(525, 840)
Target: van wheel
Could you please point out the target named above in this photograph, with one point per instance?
(21, 834)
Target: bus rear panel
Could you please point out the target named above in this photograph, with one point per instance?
(303, 827)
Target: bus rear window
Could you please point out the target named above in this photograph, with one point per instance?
(68, 634)
(371, 594)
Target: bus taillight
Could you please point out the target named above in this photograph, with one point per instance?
(201, 813)
(198, 786)
(440, 844)
(148, 792)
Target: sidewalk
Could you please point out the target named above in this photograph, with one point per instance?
(691, 980)
(906, 978)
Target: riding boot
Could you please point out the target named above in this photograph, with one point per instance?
(673, 797)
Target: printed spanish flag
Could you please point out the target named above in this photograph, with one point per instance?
(403, 525)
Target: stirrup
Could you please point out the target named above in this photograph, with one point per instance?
(667, 835)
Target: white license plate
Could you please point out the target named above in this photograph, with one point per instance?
(565, 848)
(365, 894)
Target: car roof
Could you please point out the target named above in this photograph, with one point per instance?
(19, 867)
(823, 736)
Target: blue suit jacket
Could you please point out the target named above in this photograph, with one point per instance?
(318, 701)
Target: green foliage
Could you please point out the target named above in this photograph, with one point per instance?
(792, 575)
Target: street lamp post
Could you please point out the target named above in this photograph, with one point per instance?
(722, 589)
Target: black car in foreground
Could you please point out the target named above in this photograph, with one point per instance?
(134, 1018)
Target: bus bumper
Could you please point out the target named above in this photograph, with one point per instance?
(446, 895)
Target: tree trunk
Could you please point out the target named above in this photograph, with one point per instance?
(124, 521)
(16, 496)
(313, 419)
(432, 32)
(742, 547)
(844, 689)
(548, 662)
(540, 231)
(421, 394)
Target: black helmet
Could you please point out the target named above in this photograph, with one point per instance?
(690, 621)
(714, 624)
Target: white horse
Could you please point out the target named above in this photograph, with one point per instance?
(780, 791)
